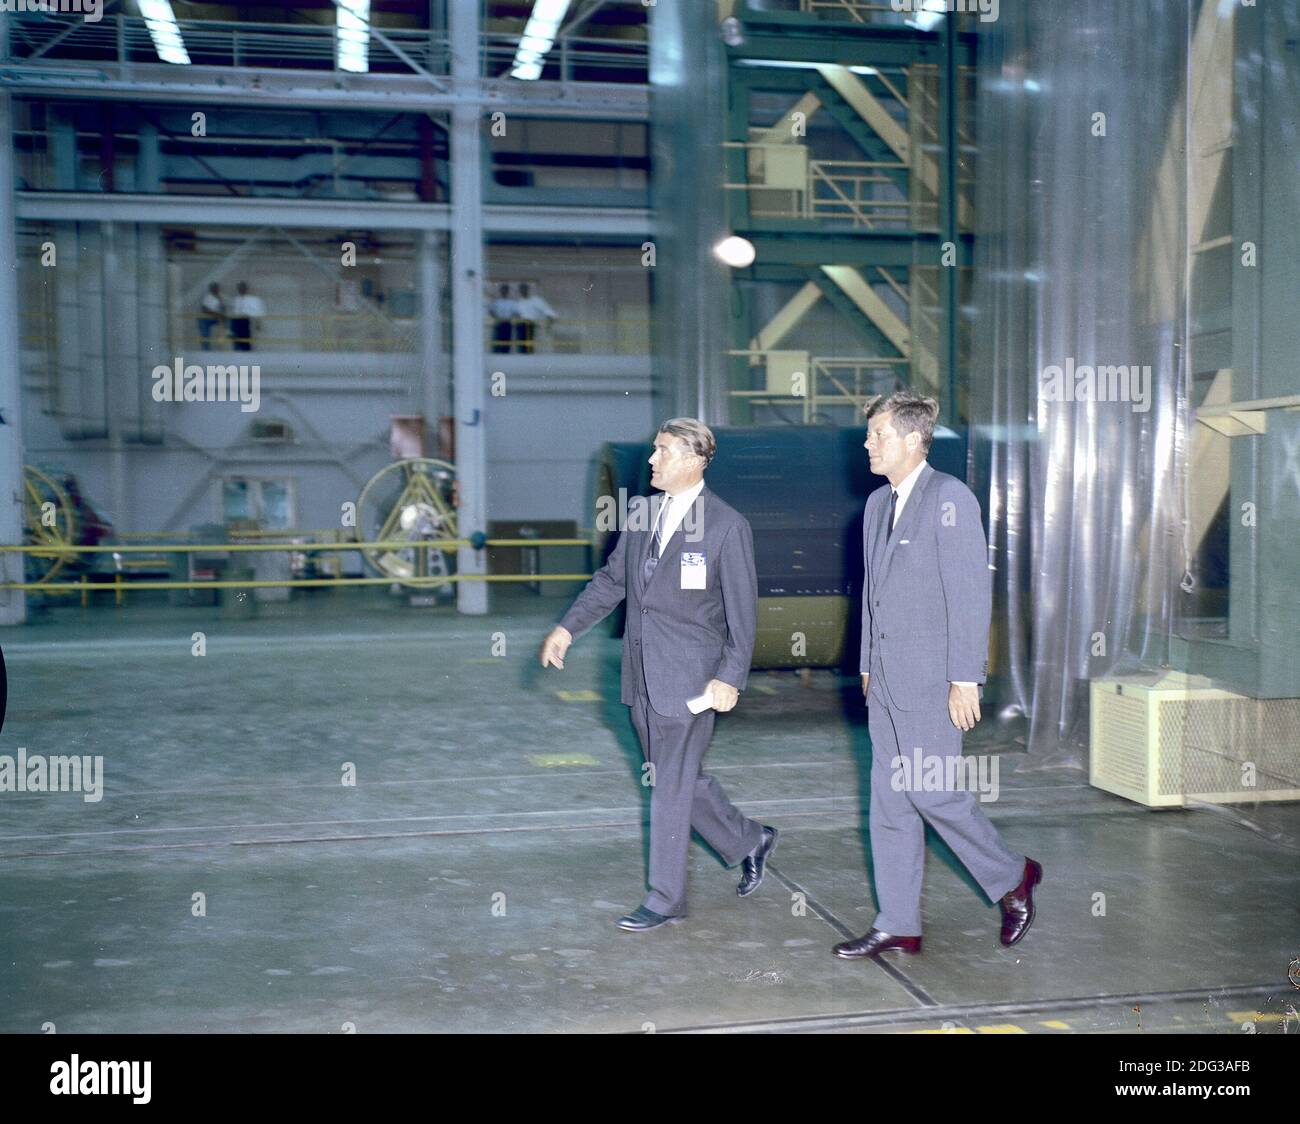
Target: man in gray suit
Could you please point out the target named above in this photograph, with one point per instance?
(926, 605)
(692, 599)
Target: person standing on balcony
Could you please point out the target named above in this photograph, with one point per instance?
(532, 308)
(503, 310)
(248, 308)
(212, 311)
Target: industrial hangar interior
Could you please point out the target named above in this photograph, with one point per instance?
(336, 339)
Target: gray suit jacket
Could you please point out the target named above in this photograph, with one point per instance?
(677, 639)
(927, 596)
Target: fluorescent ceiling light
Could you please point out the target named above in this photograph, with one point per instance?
(352, 23)
(795, 64)
(929, 14)
(538, 38)
(166, 35)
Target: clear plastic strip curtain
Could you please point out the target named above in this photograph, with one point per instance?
(1081, 254)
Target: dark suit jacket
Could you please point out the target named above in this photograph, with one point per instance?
(927, 595)
(677, 639)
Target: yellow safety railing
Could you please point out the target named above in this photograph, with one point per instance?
(84, 587)
(857, 10)
(823, 369)
(829, 189)
(350, 333)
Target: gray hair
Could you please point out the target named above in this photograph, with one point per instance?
(698, 436)
(913, 413)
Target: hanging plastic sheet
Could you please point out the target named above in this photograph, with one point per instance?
(1079, 390)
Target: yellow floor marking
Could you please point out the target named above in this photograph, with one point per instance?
(579, 696)
(1002, 1028)
(552, 760)
(1055, 1024)
(940, 1030)
(1255, 1016)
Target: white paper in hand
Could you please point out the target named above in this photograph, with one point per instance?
(700, 703)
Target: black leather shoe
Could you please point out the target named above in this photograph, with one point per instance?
(755, 862)
(1018, 904)
(641, 919)
(874, 943)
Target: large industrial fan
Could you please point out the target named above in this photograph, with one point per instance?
(413, 502)
(49, 522)
(57, 516)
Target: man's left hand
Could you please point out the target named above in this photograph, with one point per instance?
(963, 705)
(724, 694)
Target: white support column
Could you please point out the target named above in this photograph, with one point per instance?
(117, 354)
(466, 281)
(434, 400)
(13, 602)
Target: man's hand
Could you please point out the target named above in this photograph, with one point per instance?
(963, 705)
(866, 682)
(555, 645)
(724, 694)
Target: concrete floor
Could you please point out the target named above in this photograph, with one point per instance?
(380, 905)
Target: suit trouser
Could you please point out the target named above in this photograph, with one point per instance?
(683, 798)
(898, 818)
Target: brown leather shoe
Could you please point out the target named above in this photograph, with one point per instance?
(1018, 904)
(874, 943)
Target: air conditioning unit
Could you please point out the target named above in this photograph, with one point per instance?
(1168, 739)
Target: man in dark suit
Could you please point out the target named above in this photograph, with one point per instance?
(692, 599)
(926, 606)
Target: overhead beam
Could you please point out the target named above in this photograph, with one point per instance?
(329, 214)
(783, 132)
(869, 107)
(789, 243)
(789, 315)
(887, 322)
(197, 85)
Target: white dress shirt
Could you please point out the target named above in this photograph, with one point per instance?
(534, 307)
(904, 490)
(248, 306)
(677, 509)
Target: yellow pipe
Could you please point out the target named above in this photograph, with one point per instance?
(174, 548)
(305, 582)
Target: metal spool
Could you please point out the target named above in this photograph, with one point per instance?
(52, 532)
(411, 501)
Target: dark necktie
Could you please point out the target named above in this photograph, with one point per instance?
(656, 545)
(893, 506)
(659, 526)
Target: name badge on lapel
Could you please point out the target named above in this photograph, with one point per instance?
(694, 570)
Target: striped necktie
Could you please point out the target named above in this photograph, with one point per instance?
(659, 525)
